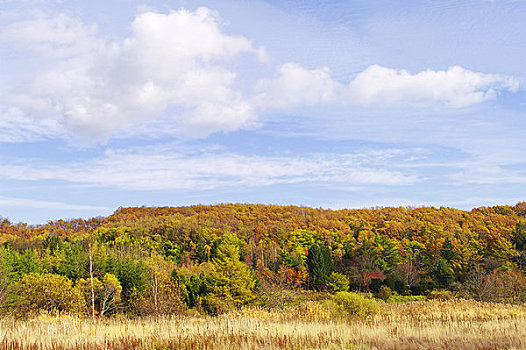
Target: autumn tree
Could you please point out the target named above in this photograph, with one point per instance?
(48, 292)
(234, 283)
(107, 293)
(162, 294)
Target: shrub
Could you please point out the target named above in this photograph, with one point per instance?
(337, 282)
(49, 292)
(440, 295)
(384, 293)
(315, 311)
(503, 286)
(355, 304)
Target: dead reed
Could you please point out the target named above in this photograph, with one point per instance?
(457, 324)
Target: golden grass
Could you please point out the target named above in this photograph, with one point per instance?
(457, 324)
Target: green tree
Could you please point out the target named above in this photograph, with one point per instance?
(74, 264)
(448, 250)
(320, 265)
(519, 235)
(28, 262)
(193, 288)
(441, 273)
(388, 256)
(132, 274)
(234, 283)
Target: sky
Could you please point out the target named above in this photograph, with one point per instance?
(333, 104)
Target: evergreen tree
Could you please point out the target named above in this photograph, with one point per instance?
(388, 256)
(441, 273)
(519, 236)
(447, 252)
(320, 265)
(234, 283)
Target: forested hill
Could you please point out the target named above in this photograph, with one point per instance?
(279, 225)
(409, 250)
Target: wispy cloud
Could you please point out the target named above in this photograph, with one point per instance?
(163, 170)
(16, 127)
(455, 87)
(61, 36)
(32, 203)
(485, 173)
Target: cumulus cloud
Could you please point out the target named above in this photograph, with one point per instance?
(162, 169)
(297, 86)
(172, 64)
(176, 72)
(455, 87)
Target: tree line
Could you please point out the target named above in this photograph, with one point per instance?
(214, 258)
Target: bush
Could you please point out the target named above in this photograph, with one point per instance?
(49, 292)
(384, 293)
(315, 311)
(440, 295)
(337, 282)
(355, 304)
(503, 286)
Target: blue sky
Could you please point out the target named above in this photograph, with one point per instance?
(328, 104)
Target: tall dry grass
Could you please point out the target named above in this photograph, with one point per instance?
(457, 324)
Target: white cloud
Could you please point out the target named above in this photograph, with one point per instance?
(296, 86)
(60, 36)
(172, 65)
(162, 169)
(176, 72)
(491, 174)
(32, 203)
(16, 126)
(455, 87)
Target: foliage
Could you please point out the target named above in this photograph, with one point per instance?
(320, 266)
(384, 293)
(503, 286)
(231, 255)
(355, 304)
(48, 292)
(107, 293)
(337, 282)
(438, 294)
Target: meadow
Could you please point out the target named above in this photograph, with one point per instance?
(432, 324)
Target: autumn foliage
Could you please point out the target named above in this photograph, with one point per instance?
(212, 259)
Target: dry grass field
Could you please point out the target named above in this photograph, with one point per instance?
(456, 324)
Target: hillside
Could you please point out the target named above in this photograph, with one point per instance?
(213, 258)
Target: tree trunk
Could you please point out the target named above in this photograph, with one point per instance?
(91, 280)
